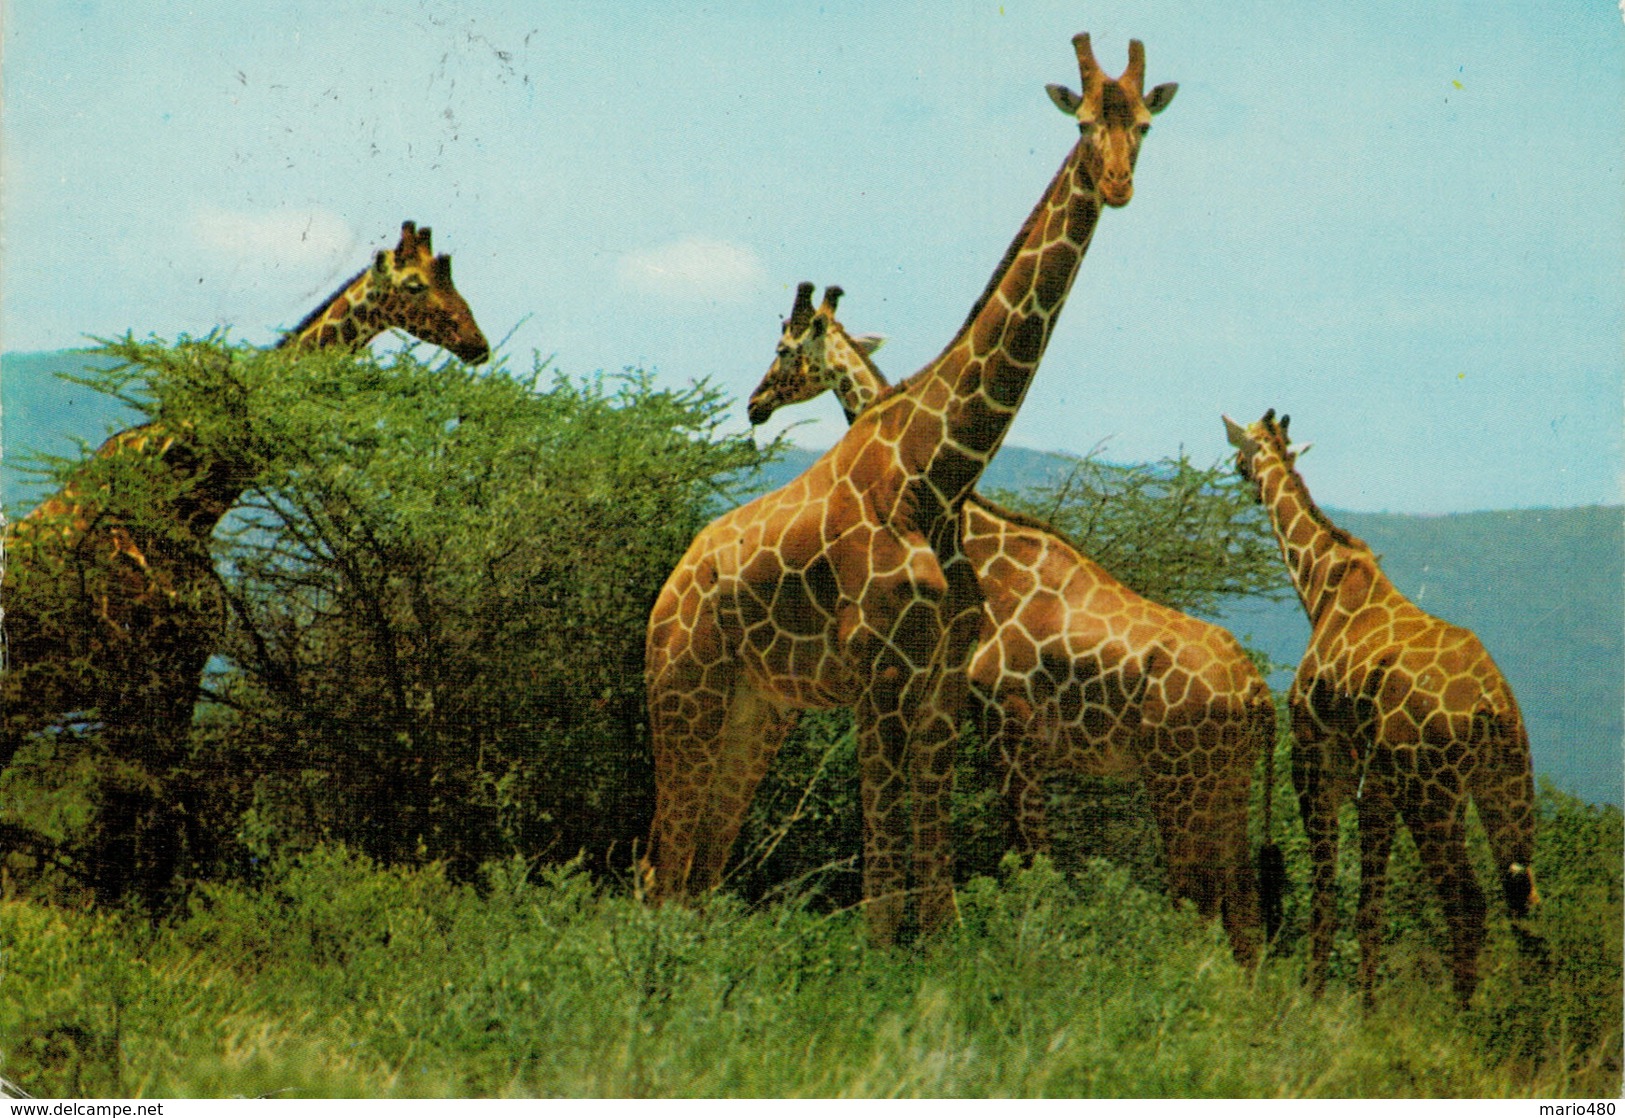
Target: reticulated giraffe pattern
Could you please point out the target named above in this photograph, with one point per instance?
(1400, 710)
(112, 604)
(848, 586)
(407, 288)
(1076, 672)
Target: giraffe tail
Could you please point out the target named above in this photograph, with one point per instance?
(1271, 864)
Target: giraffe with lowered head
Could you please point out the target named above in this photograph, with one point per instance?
(1400, 710)
(110, 596)
(848, 586)
(1076, 672)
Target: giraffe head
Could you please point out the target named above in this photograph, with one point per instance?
(415, 293)
(1257, 442)
(804, 366)
(407, 288)
(1113, 115)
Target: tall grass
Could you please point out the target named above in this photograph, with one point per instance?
(336, 977)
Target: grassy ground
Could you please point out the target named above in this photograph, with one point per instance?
(337, 978)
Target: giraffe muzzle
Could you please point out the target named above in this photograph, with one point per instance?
(1116, 192)
(474, 353)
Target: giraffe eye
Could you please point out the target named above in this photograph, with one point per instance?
(414, 286)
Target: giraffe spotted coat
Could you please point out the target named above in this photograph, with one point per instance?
(1076, 672)
(848, 586)
(1401, 711)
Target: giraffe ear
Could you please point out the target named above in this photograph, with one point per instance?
(380, 263)
(1161, 97)
(1064, 98)
(1236, 433)
(441, 269)
(868, 343)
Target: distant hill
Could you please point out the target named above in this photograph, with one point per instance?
(1543, 588)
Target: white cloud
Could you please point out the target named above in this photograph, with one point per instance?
(693, 269)
(274, 238)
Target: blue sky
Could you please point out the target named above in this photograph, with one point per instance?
(1399, 222)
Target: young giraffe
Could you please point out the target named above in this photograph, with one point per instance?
(847, 587)
(119, 613)
(1076, 672)
(1404, 712)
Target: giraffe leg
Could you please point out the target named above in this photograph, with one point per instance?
(934, 741)
(1503, 791)
(1183, 808)
(1201, 813)
(1232, 761)
(1318, 800)
(752, 733)
(907, 718)
(1021, 784)
(688, 709)
(1434, 815)
(932, 747)
(882, 739)
(704, 782)
(1377, 819)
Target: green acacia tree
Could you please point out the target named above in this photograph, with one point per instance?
(440, 587)
(436, 582)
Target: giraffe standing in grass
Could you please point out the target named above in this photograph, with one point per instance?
(1076, 672)
(111, 601)
(848, 586)
(1406, 713)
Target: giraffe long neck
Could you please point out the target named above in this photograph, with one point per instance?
(853, 377)
(1309, 542)
(964, 401)
(351, 318)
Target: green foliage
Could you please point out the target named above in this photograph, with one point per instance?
(441, 589)
(336, 976)
(1186, 537)
(113, 606)
(438, 582)
(426, 720)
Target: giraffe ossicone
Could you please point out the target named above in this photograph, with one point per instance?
(1074, 671)
(848, 586)
(1404, 713)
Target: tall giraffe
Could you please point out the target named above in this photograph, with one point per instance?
(848, 587)
(110, 595)
(1076, 672)
(1406, 713)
